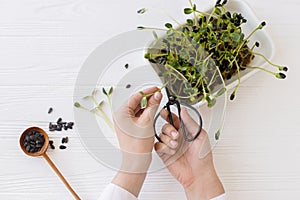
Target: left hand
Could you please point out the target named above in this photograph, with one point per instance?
(134, 128)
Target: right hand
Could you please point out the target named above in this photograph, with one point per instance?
(191, 163)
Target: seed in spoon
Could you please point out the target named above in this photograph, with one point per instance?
(33, 141)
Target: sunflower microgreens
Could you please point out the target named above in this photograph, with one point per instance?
(206, 45)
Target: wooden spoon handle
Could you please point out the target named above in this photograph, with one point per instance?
(61, 176)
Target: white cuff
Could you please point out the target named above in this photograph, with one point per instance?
(221, 197)
(114, 192)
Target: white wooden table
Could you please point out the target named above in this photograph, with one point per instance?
(43, 44)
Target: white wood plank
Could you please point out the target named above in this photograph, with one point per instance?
(43, 45)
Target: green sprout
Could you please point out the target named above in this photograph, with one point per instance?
(206, 52)
(220, 35)
(98, 109)
(144, 100)
(108, 95)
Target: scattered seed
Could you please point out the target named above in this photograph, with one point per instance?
(126, 66)
(65, 127)
(232, 96)
(51, 144)
(59, 120)
(50, 110)
(64, 140)
(59, 127)
(62, 147)
(128, 86)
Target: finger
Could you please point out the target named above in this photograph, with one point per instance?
(165, 115)
(155, 99)
(168, 141)
(190, 124)
(134, 100)
(170, 131)
(163, 149)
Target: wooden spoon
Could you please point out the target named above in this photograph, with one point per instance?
(42, 152)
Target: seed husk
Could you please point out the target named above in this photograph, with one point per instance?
(65, 140)
(59, 120)
(128, 86)
(62, 147)
(50, 110)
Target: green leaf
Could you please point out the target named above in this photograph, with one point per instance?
(155, 35)
(140, 27)
(168, 25)
(104, 91)
(217, 135)
(142, 11)
(110, 90)
(147, 55)
(218, 11)
(194, 7)
(235, 37)
(100, 104)
(220, 92)
(197, 38)
(144, 103)
(77, 105)
(188, 11)
(192, 98)
(211, 102)
(190, 22)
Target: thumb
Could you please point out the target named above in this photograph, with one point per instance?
(189, 122)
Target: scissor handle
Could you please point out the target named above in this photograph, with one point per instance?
(182, 126)
(186, 138)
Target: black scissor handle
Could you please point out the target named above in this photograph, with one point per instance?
(183, 129)
(182, 126)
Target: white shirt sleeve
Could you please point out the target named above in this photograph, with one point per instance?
(114, 192)
(221, 197)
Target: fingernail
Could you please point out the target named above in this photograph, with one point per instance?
(173, 143)
(157, 96)
(174, 134)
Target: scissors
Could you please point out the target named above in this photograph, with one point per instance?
(172, 100)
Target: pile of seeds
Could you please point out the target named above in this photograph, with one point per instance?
(33, 141)
(60, 124)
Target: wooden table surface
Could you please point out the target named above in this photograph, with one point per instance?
(44, 43)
